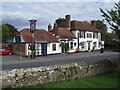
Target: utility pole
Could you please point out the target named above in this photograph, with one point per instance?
(32, 29)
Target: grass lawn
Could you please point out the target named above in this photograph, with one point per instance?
(108, 50)
(109, 80)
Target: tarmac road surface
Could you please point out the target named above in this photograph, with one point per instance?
(14, 62)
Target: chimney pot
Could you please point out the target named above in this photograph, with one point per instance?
(68, 21)
(49, 27)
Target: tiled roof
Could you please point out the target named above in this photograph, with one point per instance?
(78, 25)
(63, 24)
(40, 35)
(63, 32)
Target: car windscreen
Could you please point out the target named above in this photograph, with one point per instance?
(2, 49)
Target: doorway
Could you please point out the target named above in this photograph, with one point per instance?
(62, 48)
(44, 49)
(89, 46)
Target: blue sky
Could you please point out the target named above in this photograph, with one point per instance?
(18, 13)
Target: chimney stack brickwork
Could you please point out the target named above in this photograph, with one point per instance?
(93, 23)
(68, 20)
(49, 27)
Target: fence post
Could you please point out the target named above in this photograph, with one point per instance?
(20, 55)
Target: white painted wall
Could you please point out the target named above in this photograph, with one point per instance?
(38, 49)
(50, 48)
(86, 40)
(27, 52)
(74, 46)
(38, 46)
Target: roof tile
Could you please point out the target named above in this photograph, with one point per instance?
(63, 32)
(78, 25)
(40, 35)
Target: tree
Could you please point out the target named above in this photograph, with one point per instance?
(113, 18)
(12, 30)
(103, 28)
(7, 32)
(4, 32)
(60, 20)
(106, 37)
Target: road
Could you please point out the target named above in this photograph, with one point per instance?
(14, 62)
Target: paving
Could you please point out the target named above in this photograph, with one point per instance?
(14, 61)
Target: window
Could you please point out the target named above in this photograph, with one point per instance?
(89, 35)
(81, 34)
(37, 46)
(54, 47)
(71, 45)
(99, 37)
(82, 45)
(99, 44)
(95, 35)
(18, 39)
(70, 39)
(94, 44)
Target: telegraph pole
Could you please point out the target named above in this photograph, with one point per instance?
(32, 29)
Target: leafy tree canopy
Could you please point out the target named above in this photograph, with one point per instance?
(7, 32)
(103, 28)
(4, 32)
(59, 21)
(11, 28)
(113, 18)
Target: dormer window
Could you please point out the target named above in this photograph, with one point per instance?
(18, 38)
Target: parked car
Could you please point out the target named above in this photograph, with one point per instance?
(6, 51)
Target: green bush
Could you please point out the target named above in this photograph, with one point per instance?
(114, 46)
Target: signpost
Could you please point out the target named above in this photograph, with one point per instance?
(32, 29)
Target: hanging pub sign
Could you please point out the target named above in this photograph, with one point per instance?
(31, 47)
(32, 25)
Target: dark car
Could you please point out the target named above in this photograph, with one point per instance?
(6, 51)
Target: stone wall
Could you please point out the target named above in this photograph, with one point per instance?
(41, 75)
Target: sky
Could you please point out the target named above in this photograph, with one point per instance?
(18, 13)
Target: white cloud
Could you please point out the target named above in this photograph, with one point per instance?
(18, 6)
(60, 0)
(18, 14)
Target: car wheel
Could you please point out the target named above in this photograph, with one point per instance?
(10, 53)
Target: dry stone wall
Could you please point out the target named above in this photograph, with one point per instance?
(40, 75)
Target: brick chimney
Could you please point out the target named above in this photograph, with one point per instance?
(49, 27)
(93, 23)
(68, 24)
